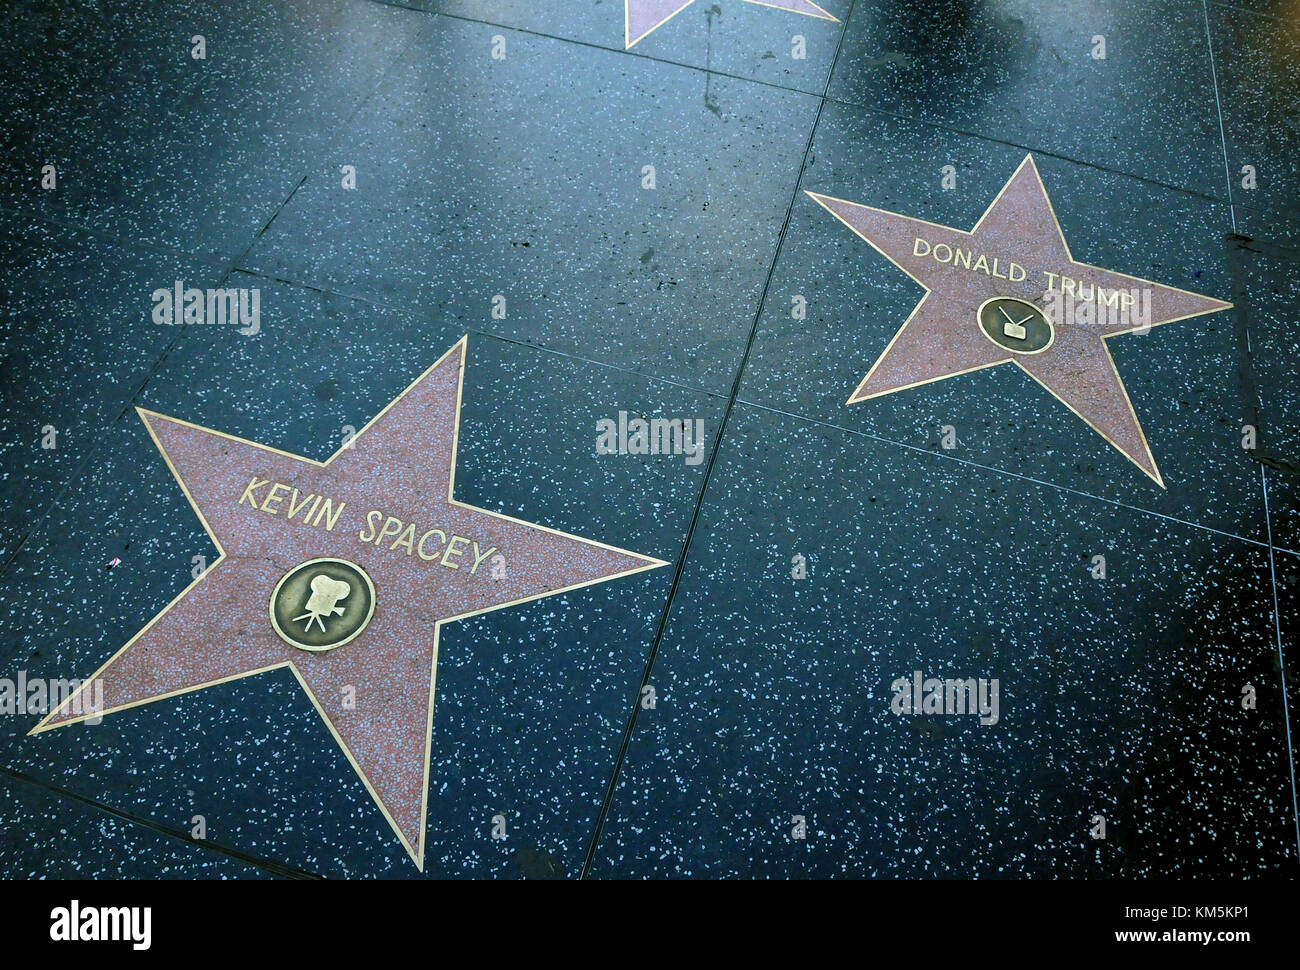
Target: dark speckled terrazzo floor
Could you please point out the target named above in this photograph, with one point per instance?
(522, 177)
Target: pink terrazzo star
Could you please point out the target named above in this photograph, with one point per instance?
(390, 513)
(1016, 252)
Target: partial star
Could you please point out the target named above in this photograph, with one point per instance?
(1016, 252)
(643, 17)
(375, 553)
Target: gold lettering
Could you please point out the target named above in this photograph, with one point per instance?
(385, 532)
(407, 539)
(478, 559)
(431, 546)
(331, 514)
(371, 516)
(295, 509)
(453, 551)
(248, 491)
(442, 537)
(276, 495)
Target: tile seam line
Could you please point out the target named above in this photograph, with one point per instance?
(153, 368)
(1263, 474)
(77, 472)
(331, 143)
(1021, 147)
(1267, 210)
(1218, 108)
(231, 262)
(1281, 664)
(1010, 474)
(1237, 8)
(37, 521)
(231, 266)
(707, 71)
(825, 97)
(410, 311)
(266, 865)
(648, 378)
(621, 756)
(639, 55)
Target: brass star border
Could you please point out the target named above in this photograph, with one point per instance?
(941, 337)
(218, 628)
(641, 18)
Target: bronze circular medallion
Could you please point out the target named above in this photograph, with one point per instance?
(322, 604)
(1015, 325)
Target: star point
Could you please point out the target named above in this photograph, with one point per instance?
(644, 17)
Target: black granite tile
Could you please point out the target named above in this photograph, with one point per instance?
(1279, 9)
(1283, 510)
(1286, 576)
(1025, 73)
(76, 343)
(735, 37)
(1267, 293)
(194, 154)
(478, 178)
(1258, 63)
(79, 75)
(1117, 696)
(1262, 224)
(531, 701)
(44, 835)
